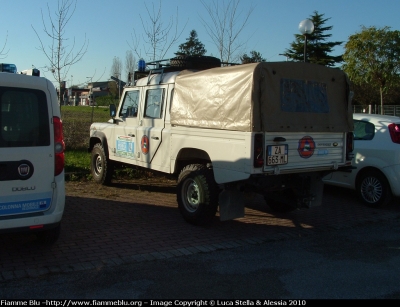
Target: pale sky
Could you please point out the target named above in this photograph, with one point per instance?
(110, 27)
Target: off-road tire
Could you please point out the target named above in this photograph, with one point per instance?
(373, 189)
(101, 167)
(197, 194)
(195, 62)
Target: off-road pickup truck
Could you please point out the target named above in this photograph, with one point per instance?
(271, 128)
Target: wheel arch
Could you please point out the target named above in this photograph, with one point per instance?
(366, 169)
(188, 156)
(100, 137)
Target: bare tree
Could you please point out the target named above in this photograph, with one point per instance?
(226, 26)
(116, 72)
(129, 65)
(60, 52)
(158, 36)
(3, 53)
(116, 68)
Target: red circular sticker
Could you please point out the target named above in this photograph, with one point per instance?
(145, 144)
(306, 147)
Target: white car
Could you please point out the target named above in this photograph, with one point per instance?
(376, 158)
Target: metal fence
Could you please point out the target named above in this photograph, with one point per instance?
(393, 110)
(76, 125)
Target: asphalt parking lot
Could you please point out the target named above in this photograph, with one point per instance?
(131, 222)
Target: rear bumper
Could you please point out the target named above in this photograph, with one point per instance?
(31, 222)
(30, 229)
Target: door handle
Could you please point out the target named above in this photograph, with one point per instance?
(154, 137)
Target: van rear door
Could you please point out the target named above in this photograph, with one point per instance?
(27, 151)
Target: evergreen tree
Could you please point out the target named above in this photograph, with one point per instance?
(192, 46)
(255, 57)
(318, 50)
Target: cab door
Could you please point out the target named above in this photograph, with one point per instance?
(125, 137)
(149, 133)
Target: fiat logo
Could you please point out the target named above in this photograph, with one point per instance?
(23, 170)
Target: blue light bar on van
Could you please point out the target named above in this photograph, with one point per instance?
(141, 65)
(8, 68)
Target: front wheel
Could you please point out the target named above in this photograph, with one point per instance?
(197, 194)
(100, 166)
(373, 189)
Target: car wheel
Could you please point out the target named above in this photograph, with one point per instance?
(373, 189)
(101, 167)
(197, 194)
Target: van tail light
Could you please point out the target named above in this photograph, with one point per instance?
(258, 150)
(59, 146)
(394, 130)
(349, 146)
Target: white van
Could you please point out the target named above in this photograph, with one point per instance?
(32, 186)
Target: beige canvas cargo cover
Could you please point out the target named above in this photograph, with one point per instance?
(268, 96)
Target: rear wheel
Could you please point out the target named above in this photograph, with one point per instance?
(197, 194)
(101, 167)
(373, 189)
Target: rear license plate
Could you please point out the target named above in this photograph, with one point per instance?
(277, 154)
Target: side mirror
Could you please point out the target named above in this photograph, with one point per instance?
(113, 110)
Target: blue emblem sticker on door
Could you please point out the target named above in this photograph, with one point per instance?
(125, 147)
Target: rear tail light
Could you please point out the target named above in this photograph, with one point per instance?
(59, 146)
(349, 146)
(394, 130)
(258, 150)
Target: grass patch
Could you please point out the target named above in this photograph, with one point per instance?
(77, 164)
(77, 168)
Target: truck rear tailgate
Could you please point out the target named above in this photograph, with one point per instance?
(302, 151)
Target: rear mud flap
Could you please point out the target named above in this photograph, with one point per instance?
(231, 205)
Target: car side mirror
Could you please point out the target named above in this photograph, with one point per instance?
(113, 110)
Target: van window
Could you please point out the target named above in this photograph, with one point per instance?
(24, 118)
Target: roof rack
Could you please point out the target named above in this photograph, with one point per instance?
(159, 67)
(178, 63)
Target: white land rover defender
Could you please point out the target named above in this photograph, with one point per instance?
(32, 187)
(270, 128)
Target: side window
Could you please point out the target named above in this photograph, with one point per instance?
(130, 104)
(172, 98)
(363, 130)
(154, 103)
